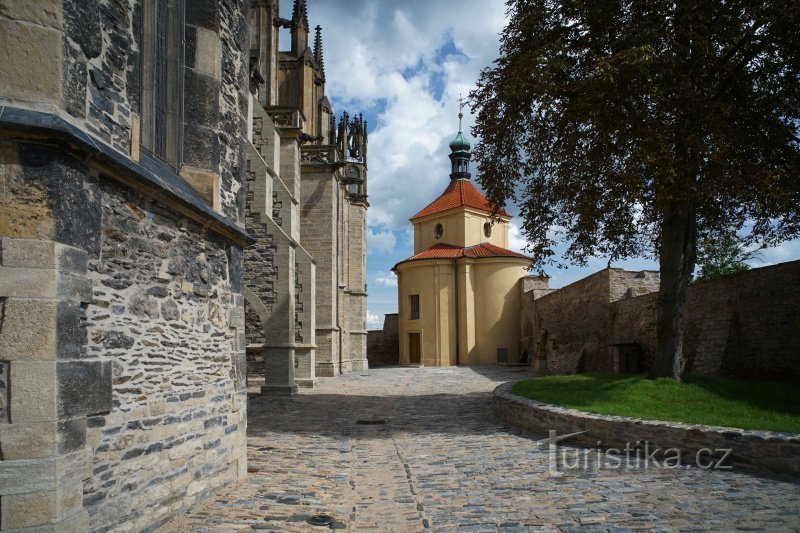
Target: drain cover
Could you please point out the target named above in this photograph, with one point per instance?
(321, 520)
(370, 422)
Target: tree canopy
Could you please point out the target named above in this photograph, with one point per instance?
(718, 258)
(633, 128)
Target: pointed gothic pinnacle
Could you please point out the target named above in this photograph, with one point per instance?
(318, 52)
(300, 12)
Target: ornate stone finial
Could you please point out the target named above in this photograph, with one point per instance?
(300, 12)
(318, 55)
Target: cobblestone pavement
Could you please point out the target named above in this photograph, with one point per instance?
(442, 462)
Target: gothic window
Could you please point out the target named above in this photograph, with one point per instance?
(162, 80)
(438, 231)
(487, 229)
(413, 307)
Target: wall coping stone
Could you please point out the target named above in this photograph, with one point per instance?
(758, 450)
(167, 183)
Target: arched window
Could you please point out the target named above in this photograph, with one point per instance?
(438, 231)
(487, 229)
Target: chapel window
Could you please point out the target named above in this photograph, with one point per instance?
(438, 231)
(413, 307)
(487, 229)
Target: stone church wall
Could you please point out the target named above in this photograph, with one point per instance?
(121, 307)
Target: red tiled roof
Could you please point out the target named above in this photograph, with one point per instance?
(448, 251)
(457, 194)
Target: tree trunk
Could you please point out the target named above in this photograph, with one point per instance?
(676, 260)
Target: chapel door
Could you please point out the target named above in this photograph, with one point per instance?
(414, 348)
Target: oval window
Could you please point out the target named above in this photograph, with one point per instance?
(438, 231)
(487, 229)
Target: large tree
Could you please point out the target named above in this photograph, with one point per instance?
(633, 128)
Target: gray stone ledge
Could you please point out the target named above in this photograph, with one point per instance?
(169, 185)
(751, 449)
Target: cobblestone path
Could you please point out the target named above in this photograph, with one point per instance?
(442, 462)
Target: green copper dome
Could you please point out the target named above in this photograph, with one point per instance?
(459, 144)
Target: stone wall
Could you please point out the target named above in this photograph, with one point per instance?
(742, 325)
(567, 330)
(121, 307)
(383, 346)
(749, 449)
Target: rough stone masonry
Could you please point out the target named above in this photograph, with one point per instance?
(122, 393)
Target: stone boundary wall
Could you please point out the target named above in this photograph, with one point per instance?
(743, 325)
(383, 345)
(751, 449)
(566, 330)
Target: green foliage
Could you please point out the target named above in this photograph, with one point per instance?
(714, 401)
(600, 115)
(721, 257)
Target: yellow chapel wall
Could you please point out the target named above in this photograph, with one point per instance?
(497, 308)
(461, 227)
(434, 282)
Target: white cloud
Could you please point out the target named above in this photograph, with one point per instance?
(380, 241)
(516, 241)
(389, 280)
(405, 63)
(374, 321)
(786, 251)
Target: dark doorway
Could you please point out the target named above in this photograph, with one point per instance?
(414, 348)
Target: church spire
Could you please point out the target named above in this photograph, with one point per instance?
(318, 53)
(459, 150)
(299, 27)
(300, 13)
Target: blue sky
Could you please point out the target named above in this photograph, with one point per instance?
(404, 65)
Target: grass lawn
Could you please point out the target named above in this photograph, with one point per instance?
(714, 401)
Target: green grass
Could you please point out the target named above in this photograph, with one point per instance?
(714, 401)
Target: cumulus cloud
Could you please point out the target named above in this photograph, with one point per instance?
(389, 280)
(374, 321)
(380, 241)
(405, 64)
(516, 241)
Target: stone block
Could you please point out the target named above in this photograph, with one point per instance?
(71, 435)
(33, 391)
(26, 476)
(40, 508)
(28, 330)
(28, 440)
(205, 183)
(27, 510)
(84, 388)
(74, 287)
(207, 58)
(42, 12)
(279, 364)
(28, 283)
(30, 253)
(71, 335)
(30, 61)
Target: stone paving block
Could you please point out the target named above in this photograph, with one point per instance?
(441, 462)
